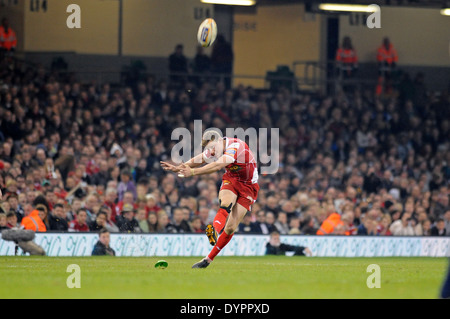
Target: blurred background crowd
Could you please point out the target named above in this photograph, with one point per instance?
(82, 157)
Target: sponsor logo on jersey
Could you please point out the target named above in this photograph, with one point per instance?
(231, 152)
(234, 168)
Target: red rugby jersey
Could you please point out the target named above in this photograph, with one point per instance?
(244, 167)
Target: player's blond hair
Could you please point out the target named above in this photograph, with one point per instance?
(210, 135)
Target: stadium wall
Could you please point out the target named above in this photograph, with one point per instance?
(419, 35)
(145, 31)
(273, 36)
(148, 245)
(42, 27)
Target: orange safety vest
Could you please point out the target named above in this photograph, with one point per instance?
(8, 40)
(347, 56)
(387, 55)
(329, 224)
(33, 222)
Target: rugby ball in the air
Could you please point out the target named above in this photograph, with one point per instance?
(207, 32)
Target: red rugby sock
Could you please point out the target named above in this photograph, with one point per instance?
(223, 240)
(220, 220)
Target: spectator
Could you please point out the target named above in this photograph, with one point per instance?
(426, 227)
(34, 221)
(110, 201)
(196, 225)
(348, 225)
(8, 39)
(222, 59)
(74, 207)
(368, 227)
(402, 226)
(201, 65)
(128, 199)
(79, 224)
(43, 214)
(99, 223)
(102, 176)
(102, 247)
(281, 223)
(13, 201)
(187, 214)
(383, 227)
(307, 226)
(205, 216)
(294, 226)
(272, 205)
(439, 228)
(3, 222)
(347, 59)
(275, 247)
(141, 217)
(420, 216)
(332, 220)
(260, 226)
(387, 57)
(126, 185)
(270, 221)
(126, 222)
(151, 203)
(441, 206)
(91, 204)
(245, 227)
(447, 222)
(178, 65)
(178, 221)
(57, 219)
(150, 225)
(164, 225)
(387, 61)
(11, 219)
(110, 225)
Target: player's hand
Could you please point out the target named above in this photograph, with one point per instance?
(307, 252)
(169, 167)
(185, 170)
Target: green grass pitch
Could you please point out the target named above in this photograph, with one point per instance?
(271, 277)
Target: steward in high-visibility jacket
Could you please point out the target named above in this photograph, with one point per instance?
(387, 59)
(33, 222)
(386, 54)
(329, 224)
(346, 58)
(8, 39)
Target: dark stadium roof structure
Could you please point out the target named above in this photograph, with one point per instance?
(399, 3)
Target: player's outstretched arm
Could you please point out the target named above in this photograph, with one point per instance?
(196, 161)
(170, 167)
(193, 162)
(221, 163)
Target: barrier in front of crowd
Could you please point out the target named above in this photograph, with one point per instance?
(148, 245)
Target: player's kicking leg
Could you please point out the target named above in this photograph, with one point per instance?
(227, 199)
(237, 214)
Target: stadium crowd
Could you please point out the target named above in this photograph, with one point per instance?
(83, 157)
